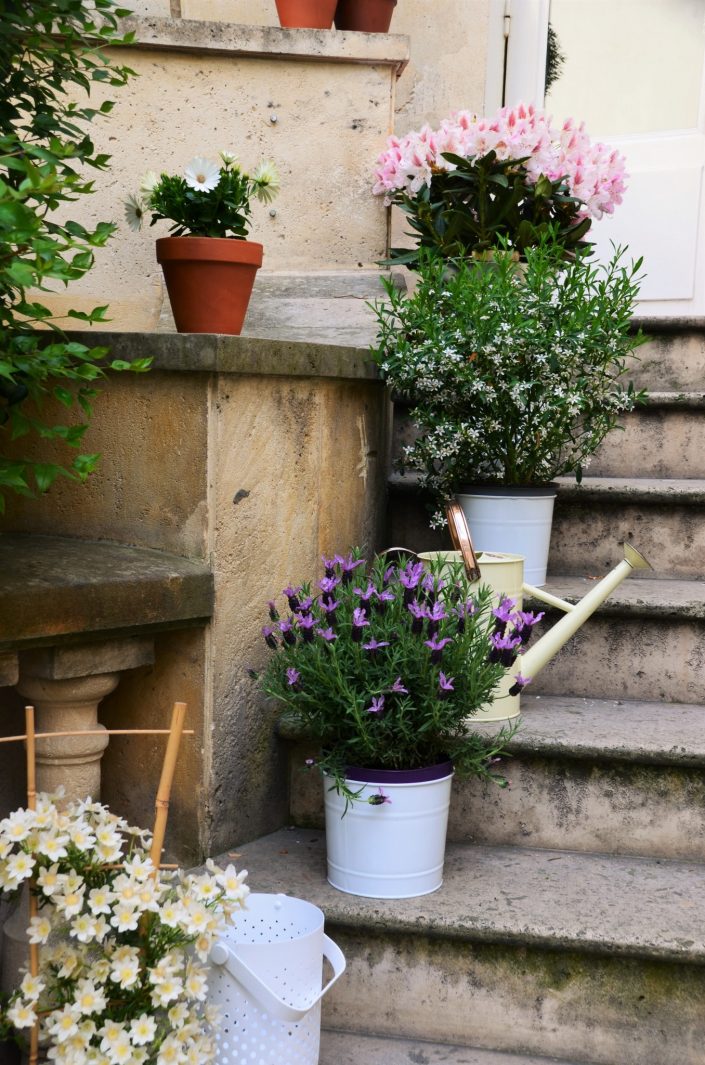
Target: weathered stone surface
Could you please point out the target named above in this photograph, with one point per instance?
(531, 951)
(616, 777)
(206, 86)
(663, 518)
(347, 1048)
(9, 668)
(87, 660)
(54, 587)
(665, 438)
(674, 356)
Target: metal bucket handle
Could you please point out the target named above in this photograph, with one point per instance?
(261, 993)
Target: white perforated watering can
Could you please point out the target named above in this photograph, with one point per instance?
(265, 979)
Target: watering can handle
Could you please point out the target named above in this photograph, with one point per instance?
(461, 539)
(261, 993)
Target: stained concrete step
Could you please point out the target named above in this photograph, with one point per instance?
(646, 642)
(585, 775)
(664, 518)
(673, 358)
(663, 438)
(525, 951)
(348, 1048)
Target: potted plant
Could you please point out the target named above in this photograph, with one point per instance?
(382, 664)
(306, 14)
(513, 379)
(476, 183)
(122, 973)
(367, 16)
(209, 267)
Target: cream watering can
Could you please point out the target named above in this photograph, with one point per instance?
(505, 575)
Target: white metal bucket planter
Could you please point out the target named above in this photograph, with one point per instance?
(265, 978)
(393, 849)
(512, 520)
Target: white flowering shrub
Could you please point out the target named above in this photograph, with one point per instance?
(514, 373)
(122, 977)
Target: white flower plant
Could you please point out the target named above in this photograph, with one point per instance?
(210, 199)
(122, 979)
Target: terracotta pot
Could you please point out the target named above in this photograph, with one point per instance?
(209, 281)
(369, 16)
(306, 14)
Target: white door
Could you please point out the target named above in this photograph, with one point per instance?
(634, 70)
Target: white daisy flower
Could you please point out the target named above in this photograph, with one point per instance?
(229, 158)
(267, 181)
(21, 1015)
(51, 880)
(31, 986)
(39, 929)
(134, 212)
(143, 1029)
(149, 183)
(201, 174)
(19, 866)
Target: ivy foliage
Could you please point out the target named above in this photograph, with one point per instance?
(51, 56)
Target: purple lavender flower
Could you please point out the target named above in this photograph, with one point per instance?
(328, 585)
(379, 799)
(435, 616)
(524, 621)
(431, 587)
(503, 613)
(377, 705)
(419, 613)
(328, 565)
(519, 684)
(374, 645)
(398, 688)
(293, 678)
(347, 566)
(305, 605)
(273, 612)
(464, 611)
(287, 630)
(292, 594)
(305, 623)
(384, 597)
(409, 578)
(359, 621)
(310, 763)
(329, 607)
(367, 594)
(326, 634)
(445, 683)
(269, 637)
(388, 574)
(504, 648)
(436, 647)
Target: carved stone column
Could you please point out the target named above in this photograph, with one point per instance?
(66, 685)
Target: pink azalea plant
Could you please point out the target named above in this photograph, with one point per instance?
(511, 168)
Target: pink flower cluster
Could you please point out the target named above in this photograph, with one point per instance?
(595, 172)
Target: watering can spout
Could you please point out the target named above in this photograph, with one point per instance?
(576, 614)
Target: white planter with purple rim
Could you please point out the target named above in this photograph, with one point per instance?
(512, 520)
(394, 848)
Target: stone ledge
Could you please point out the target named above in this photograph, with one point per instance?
(648, 491)
(253, 356)
(56, 588)
(347, 1048)
(545, 899)
(198, 37)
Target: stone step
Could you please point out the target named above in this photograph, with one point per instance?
(646, 642)
(617, 777)
(524, 951)
(663, 438)
(664, 518)
(673, 358)
(348, 1048)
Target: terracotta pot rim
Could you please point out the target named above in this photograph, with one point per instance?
(299, 21)
(215, 249)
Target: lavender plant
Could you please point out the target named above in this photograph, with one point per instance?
(514, 374)
(383, 664)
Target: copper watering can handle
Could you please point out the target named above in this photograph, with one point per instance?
(462, 541)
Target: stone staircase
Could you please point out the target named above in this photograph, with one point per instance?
(571, 924)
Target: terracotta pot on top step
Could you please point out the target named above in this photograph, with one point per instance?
(369, 16)
(306, 14)
(209, 281)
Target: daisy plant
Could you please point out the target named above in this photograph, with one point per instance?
(384, 663)
(122, 975)
(209, 199)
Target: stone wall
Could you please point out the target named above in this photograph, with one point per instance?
(257, 456)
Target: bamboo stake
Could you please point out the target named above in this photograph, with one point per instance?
(98, 732)
(167, 778)
(33, 908)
